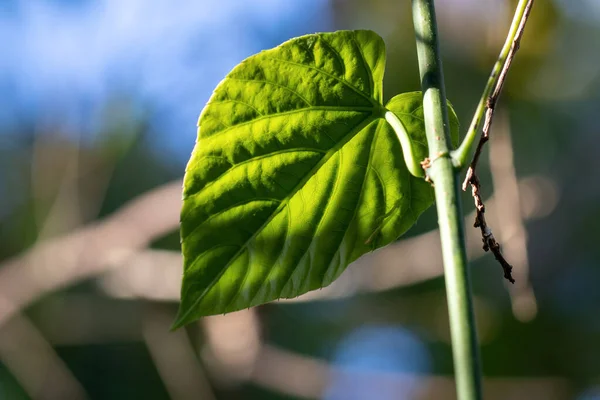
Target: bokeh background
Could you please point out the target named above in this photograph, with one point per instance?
(98, 106)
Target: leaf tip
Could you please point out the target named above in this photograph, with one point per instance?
(176, 325)
(182, 319)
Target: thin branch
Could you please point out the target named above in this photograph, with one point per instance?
(492, 99)
(498, 73)
(489, 241)
(26, 353)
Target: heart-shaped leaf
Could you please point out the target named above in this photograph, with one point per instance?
(296, 173)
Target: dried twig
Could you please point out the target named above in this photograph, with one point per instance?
(489, 242)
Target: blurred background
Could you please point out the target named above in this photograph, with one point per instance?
(98, 108)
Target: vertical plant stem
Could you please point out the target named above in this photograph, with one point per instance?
(445, 177)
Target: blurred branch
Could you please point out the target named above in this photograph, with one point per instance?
(56, 184)
(156, 274)
(308, 378)
(174, 357)
(120, 239)
(99, 319)
(228, 351)
(234, 354)
(88, 251)
(510, 220)
(290, 373)
(69, 183)
(232, 343)
(35, 364)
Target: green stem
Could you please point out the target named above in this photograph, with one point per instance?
(413, 164)
(445, 176)
(461, 155)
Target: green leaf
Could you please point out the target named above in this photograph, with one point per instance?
(295, 174)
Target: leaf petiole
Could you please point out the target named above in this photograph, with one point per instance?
(413, 164)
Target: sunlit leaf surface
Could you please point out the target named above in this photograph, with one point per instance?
(296, 174)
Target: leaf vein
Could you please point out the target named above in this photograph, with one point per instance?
(251, 160)
(306, 252)
(236, 101)
(365, 65)
(271, 83)
(297, 110)
(337, 55)
(228, 208)
(341, 80)
(283, 204)
(362, 192)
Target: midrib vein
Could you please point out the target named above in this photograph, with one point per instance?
(367, 121)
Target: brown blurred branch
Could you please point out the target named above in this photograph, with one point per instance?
(508, 212)
(308, 378)
(121, 238)
(34, 363)
(174, 357)
(233, 354)
(88, 251)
